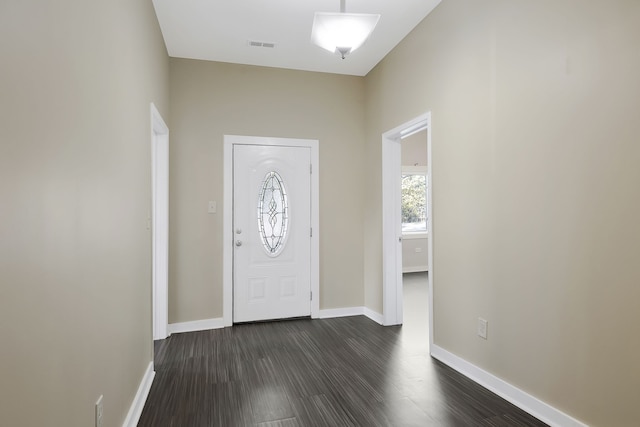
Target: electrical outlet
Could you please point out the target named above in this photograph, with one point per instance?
(99, 412)
(482, 328)
(418, 250)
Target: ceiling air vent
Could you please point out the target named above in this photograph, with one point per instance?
(255, 43)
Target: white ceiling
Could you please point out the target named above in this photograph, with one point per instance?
(219, 30)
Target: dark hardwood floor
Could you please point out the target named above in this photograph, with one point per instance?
(335, 372)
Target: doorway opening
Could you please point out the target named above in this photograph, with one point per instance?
(414, 214)
(392, 234)
(235, 238)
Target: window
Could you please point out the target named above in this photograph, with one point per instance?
(414, 200)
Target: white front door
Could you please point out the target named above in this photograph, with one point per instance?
(271, 225)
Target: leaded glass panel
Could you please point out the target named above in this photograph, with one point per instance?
(273, 213)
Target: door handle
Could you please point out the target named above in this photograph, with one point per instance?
(238, 243)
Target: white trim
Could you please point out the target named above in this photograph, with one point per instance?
(135, 410)
(196, 325)
(159, 223)
(530, 404)
(315, 225)
(331, 313)
(414, 170)
(391, 230)
(340, 312)
(415, 235)
(373, 315)
(392, 305)
(227, 234)
(416, 269)
(430, 282)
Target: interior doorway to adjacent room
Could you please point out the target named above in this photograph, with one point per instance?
(393, 237)
(415, 260)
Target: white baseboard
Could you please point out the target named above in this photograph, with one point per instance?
(141, 397)
(375, 316)
(340, 312)
(206, 324)
(197, 325)
(350, 311)
(539, 409)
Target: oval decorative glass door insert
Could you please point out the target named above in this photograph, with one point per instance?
(273, 213)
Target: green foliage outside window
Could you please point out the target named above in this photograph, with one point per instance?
(414, 203)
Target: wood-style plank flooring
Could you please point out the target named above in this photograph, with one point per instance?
(334, 372)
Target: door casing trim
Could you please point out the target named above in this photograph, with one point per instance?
(159, 224)
(227, 221)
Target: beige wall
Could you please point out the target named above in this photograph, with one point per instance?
(209, 100)
(414, 149)
(75, 289)
(535, 191)
(415, 254)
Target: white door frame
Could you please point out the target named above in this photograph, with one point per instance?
(160, 223)
(227, 238)
(392, 307)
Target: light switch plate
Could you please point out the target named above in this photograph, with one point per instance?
(212, 207)
(482, 328)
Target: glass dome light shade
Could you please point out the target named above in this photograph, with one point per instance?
(342, 32)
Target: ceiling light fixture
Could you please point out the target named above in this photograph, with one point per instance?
(342, 32)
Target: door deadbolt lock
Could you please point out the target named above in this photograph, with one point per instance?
(238, 243)
(238, 231)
